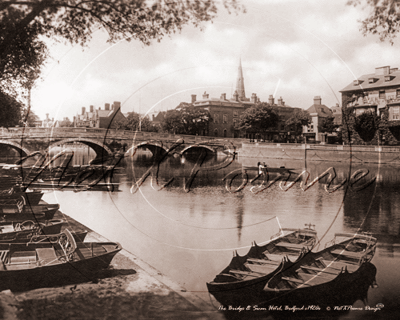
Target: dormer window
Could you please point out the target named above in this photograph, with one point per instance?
(372, 80)
(357, 82)
(388, 78)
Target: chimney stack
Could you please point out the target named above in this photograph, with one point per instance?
(107, 107)
(223, 96)
(205, 95)
(116, 105)
(91, 108)
(280, 101)
(317, 100)
(271, 100)
(253, 98)
(193, 98)
(83, 110)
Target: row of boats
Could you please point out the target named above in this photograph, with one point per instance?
(37, 250)
(286, 271)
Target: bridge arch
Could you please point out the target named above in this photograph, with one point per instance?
(102, 151)
(192, 152)
(156, 148)
(20, 149)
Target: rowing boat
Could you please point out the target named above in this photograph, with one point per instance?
(46, 264)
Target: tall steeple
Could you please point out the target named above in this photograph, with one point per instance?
(240, 82)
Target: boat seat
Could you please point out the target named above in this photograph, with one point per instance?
(20, 257)
(248, 273)
(46, 255)
(292, 246)
(263, 261)
(265, 268)
(325, 270)
(295, 280)
(349, 254)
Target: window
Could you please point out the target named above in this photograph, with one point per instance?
(225, 133)
(224, 118)
(216, 132)
(382, 94)
(396, 113)
(216, 118)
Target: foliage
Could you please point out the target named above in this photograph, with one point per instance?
(366, 125)
(137, 123)
(29, 118)
(328, 125)
(10, 110)
(186, 119)
(258, 119)
(298, 119)
(383, 20)
(24, 23)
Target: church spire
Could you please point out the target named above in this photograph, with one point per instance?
(240, 82)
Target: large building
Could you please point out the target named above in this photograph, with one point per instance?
(98, 118)
(225, 113)
(379, 93)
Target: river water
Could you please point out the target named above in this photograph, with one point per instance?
(189, 228)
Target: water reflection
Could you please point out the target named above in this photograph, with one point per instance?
(189, 234)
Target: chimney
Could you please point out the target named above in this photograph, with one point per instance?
(116, 105)
(153, 116)
(317, 100)
(205, 95)
(236, 96)
(91, 108)
(83, 110)
(382, 70)
(47, 116)
(271, 99)
(253, 98)
(223, 96)
(280, 101)
(107, 107)
(193, 98)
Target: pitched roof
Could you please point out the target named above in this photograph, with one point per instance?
(322, 110)
(374, 81)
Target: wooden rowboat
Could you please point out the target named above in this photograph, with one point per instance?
(23, 231)
(44, 264)
(309, 279)
(237, 277)
(20, 212)
(79, 236)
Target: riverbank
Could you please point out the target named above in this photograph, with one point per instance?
(128, 289)
(316, 152)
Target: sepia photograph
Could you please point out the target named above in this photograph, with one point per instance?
(199, 159)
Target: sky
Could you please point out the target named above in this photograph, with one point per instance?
(288, 48)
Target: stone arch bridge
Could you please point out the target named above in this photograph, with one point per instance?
(104, 142)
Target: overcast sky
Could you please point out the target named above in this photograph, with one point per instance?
(289, 48)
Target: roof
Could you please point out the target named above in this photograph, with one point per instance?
(322, 110)
(378, 81)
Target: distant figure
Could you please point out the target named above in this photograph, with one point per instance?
(260, 168)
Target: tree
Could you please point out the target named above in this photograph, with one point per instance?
(366, 125)
(186, 119)
(137, 123)
(298, 119)
(29, 118)
(383, 20)
(328, 125)
(10, 110)
(24, 22)
(258, 119)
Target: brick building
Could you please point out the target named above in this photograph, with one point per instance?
(378, 93)
(98, 118)
(225, 113)
(318, 112)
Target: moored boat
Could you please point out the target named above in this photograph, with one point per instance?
(241, 277)
(20, 212)
(311, 278)
(79, 236)
(23, 231)
(43, 264)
